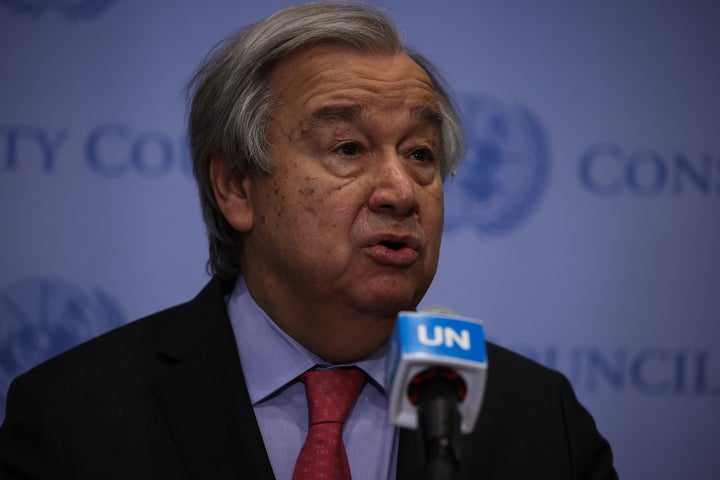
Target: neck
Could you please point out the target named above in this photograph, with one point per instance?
(352, 341)
(335, 333)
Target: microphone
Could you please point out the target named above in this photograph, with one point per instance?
(437, 367)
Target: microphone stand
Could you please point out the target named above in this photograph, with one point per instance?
(439, 424)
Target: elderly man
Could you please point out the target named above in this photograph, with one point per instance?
(320, 145)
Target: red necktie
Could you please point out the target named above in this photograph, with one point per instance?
(330, 396)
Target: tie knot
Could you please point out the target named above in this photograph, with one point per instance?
(332, 393)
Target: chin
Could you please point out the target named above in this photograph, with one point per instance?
(387, 302)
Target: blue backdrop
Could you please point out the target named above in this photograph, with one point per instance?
(584, 228)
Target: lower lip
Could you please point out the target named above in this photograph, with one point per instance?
(396, 258)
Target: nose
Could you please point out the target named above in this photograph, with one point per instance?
(394, 189)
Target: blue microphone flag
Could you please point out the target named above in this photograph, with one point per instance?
(423, 340)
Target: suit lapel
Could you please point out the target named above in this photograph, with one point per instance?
(203, 396)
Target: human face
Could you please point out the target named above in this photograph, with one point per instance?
(350, 219)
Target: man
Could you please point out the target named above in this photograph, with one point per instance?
(320, 147)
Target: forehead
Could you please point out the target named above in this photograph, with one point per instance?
(328, 74)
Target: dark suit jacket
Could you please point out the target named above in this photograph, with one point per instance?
(164, 397)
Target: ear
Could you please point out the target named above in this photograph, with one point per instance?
(231, 194)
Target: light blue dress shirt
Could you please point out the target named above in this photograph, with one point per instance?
(272, 361)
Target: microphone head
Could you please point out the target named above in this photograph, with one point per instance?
(423, 341)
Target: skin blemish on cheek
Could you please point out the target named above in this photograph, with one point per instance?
(308, 187)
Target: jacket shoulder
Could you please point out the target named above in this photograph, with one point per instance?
(517, 371)
(528, 406)
(172, 330)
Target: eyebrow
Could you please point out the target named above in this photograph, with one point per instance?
(427, 113)
(350, 113)
(332, 114)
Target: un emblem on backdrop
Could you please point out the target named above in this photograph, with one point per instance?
(71, 9)
(506, 169)
(41, 317)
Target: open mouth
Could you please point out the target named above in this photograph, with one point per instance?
(392, 245)
(395, 250)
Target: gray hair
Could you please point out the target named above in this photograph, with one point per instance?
(232, 103)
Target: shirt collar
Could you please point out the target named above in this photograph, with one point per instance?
(271, 359)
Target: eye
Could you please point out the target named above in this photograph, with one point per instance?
(422, 155)
(349, 149)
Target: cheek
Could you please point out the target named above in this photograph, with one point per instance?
(309, 197)
(433, 200)
(276, 201)
(330, 204)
